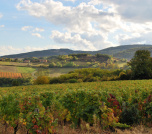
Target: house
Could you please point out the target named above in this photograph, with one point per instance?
(43, 61)
(26, 61)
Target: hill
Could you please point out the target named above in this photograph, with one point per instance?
(123, 51)
(129, 53)
(45, 53)
(115, 50)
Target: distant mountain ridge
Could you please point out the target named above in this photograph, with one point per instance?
(123, 51)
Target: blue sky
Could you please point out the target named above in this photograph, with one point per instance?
(29, 25)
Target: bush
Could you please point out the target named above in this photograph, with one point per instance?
(55, 80)
(7, 82)
(42, 80)
(123, 76)
(80, 80)
(15, 82)
(87, 75)
(130, 115)
(72, 81)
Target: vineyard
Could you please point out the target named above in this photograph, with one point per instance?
(14, 75)
(43, 109)
(10, 75)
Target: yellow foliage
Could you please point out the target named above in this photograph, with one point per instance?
(42, 80)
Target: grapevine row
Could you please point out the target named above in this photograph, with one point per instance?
(41, 109)
(10, 75)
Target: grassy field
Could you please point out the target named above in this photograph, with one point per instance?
(16, 69)
(52, 72)
(8, 69)
(13, 63)
(25, 69)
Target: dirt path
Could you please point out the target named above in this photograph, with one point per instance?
(33, 74)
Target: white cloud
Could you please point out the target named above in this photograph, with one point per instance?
(37, 35)
(86, 41)
(1, 15)
(76, 40)
(26, 28)
(88, 27)
(70, 0)
(33, 31)
(8, 50)
(38, 29)
(134, 38)
(94, 2)
(77, 20)
(2, 26)
(138, 11)
(30, 49)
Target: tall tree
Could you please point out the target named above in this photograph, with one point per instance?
(141, 65)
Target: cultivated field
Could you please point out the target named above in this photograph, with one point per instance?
(10, 75)
(96, 105)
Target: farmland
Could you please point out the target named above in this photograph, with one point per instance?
(10, 75)
(72, 104)
(28, 71)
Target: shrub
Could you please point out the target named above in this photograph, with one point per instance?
(42, 80)
(15, 82)
(54, 80)
(123, 76)
(130, 115)
(72, 81)
(7, 82)
(79, 80)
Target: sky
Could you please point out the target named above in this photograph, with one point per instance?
(30, 25)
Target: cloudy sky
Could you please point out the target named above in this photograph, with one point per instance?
(28, 25)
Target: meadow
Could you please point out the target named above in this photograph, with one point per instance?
(91, 107)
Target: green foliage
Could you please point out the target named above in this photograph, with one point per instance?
(130, 115)
(82, 105)
(54, 80)
(123, 76)
(69, 64)
(35, 114)
(8, 82)
(48, 99)
(114, 104)
(79, 55)
(58, 64)
(52, 64)
(9, 110)
(72, 81)
(141, 65)
(87, 75)
(26, 69)
(98, 55)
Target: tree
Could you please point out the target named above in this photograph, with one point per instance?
(52, 64)
(141, 65)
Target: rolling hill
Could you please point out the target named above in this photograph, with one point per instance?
(123, 51)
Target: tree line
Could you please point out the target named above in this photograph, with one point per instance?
(140, 68)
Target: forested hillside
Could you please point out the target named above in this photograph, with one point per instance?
(123, 51)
